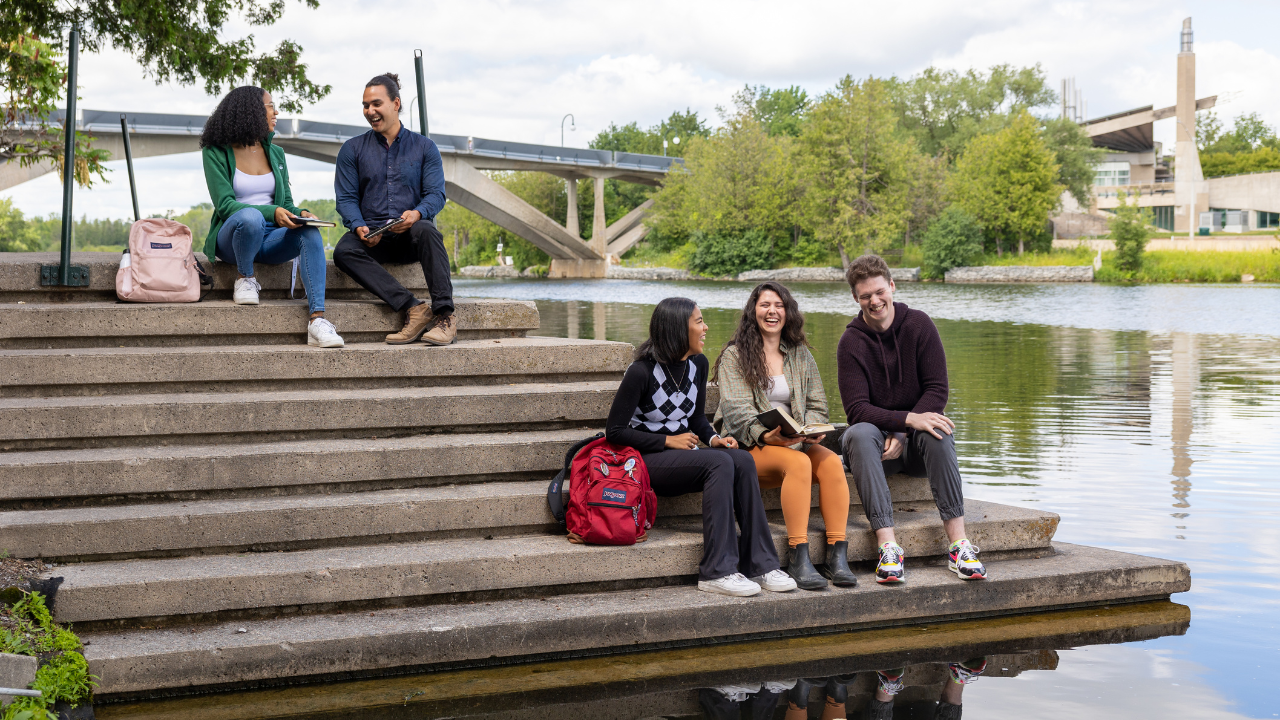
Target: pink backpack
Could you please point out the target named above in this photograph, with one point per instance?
(159, 265)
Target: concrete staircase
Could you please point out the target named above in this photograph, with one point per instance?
(227, 507)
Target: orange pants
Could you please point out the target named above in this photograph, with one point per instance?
(795, 472)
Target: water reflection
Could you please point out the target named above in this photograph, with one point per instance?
(826, 676)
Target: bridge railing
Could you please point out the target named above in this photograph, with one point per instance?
(297, 129)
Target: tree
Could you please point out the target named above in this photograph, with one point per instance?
(858, 168)
(953, 240)
(943, 109)
(1129, 233)
(781, 111)
(16, 235)
(1008, 182)
(175, 40)
(1076, 156)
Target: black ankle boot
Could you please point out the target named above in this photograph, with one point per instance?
(799, 695)
(802, 570)
(837, 567)
(838, 688)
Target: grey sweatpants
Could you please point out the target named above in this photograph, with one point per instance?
(924, 456)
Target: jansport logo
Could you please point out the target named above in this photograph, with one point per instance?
(612, 495)
(161, 246)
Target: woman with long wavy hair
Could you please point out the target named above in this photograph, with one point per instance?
(253, 210)
(765, 365)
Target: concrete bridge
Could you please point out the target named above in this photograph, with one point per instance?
(464, 157)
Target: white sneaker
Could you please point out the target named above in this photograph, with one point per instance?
(322, 333)
(776, 581)
(246, 291)
(738, 693)
(736, 585)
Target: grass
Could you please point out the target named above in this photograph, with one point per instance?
(644, 255)
(1168, 266)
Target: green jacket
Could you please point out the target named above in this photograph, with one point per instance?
(220, 169)
(740, 403)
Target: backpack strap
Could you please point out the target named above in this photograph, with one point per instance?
(206, 277)
(555, 496)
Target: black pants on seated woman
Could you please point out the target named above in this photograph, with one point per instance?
(660, 410)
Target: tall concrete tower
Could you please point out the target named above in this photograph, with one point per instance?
(1189, 189)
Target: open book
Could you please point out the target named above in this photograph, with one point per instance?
(791, 428)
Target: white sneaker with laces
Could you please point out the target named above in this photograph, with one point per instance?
(776, 581)
(736, 585)
(322, 333)
(246, 291)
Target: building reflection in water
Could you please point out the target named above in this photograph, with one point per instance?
(1184, 377)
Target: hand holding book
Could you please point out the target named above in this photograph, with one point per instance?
(777, 418)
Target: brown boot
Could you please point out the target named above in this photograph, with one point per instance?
(444, 331)
(416, 321)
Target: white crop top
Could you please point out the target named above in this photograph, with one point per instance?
(779, 394)
(254, 189)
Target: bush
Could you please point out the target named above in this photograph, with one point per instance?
(953, 240)
(719, 255)
(1129, 232)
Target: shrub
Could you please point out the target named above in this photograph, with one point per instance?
(1129, 232)
(953, 239)
(719, 255)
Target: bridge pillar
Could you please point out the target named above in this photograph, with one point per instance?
(599, 225)
(571, 214)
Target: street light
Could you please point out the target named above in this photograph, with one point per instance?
(674, 141)
(572, 126)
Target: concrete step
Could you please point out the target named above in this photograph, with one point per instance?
(214, 584)
(20, 278)
(150, 370)
(188, 418)
(301, 521)
(220, 322)
(297, 647)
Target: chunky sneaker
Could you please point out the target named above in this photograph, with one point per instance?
(416, 321)
(322, 333)
(775, 581)
(738, 693)
(968, 671)
(443, 331)
(736, 585)
(246, 291)
(890, 681)
(889, 569)
(962, 559)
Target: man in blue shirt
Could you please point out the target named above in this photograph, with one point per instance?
(387, 173)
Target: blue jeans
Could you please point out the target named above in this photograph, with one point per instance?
(246, 237)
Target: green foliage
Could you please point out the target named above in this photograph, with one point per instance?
(730, 254)
(28, 629)
(781, 111)
(1249, 132)
(16, 234)
(1076, 156)
(1168, 266)
(944, 109)
(1263, 159)
(1129, 232)
(181, 41)
(1008, 182)
(859, 168)
(953, 240)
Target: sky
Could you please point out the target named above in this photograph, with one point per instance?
(511, 71)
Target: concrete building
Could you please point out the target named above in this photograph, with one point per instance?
(1181, 199)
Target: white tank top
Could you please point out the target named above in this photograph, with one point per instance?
(254, 189)
(779, 394)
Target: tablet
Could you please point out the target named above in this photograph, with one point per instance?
(383, 228)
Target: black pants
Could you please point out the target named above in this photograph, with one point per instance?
(727, 480)
(924, 455)
(422, 243)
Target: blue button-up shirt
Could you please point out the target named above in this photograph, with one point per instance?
(375, 183)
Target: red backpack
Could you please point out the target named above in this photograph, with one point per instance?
(610, 501)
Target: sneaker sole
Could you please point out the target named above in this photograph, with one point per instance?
(890, 581)
(721, 591)
(314, 343)
(247, 302)
(975, 576)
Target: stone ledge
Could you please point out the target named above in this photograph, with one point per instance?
(1021, 274)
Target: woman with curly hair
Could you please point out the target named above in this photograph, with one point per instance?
(766, 365)
(253, 210)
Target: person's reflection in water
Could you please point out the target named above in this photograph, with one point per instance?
(835, 697)
(755, 701)
(889, 684)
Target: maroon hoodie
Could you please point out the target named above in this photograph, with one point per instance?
(885, 375)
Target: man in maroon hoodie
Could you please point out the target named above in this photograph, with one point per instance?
(893, 385)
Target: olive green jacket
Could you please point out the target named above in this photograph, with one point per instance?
(219, 171)
(740, 403)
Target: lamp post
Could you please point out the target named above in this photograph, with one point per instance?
(674, 141)
(572, 126)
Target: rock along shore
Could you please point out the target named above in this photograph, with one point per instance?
(1020, 274)
(619, 272)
